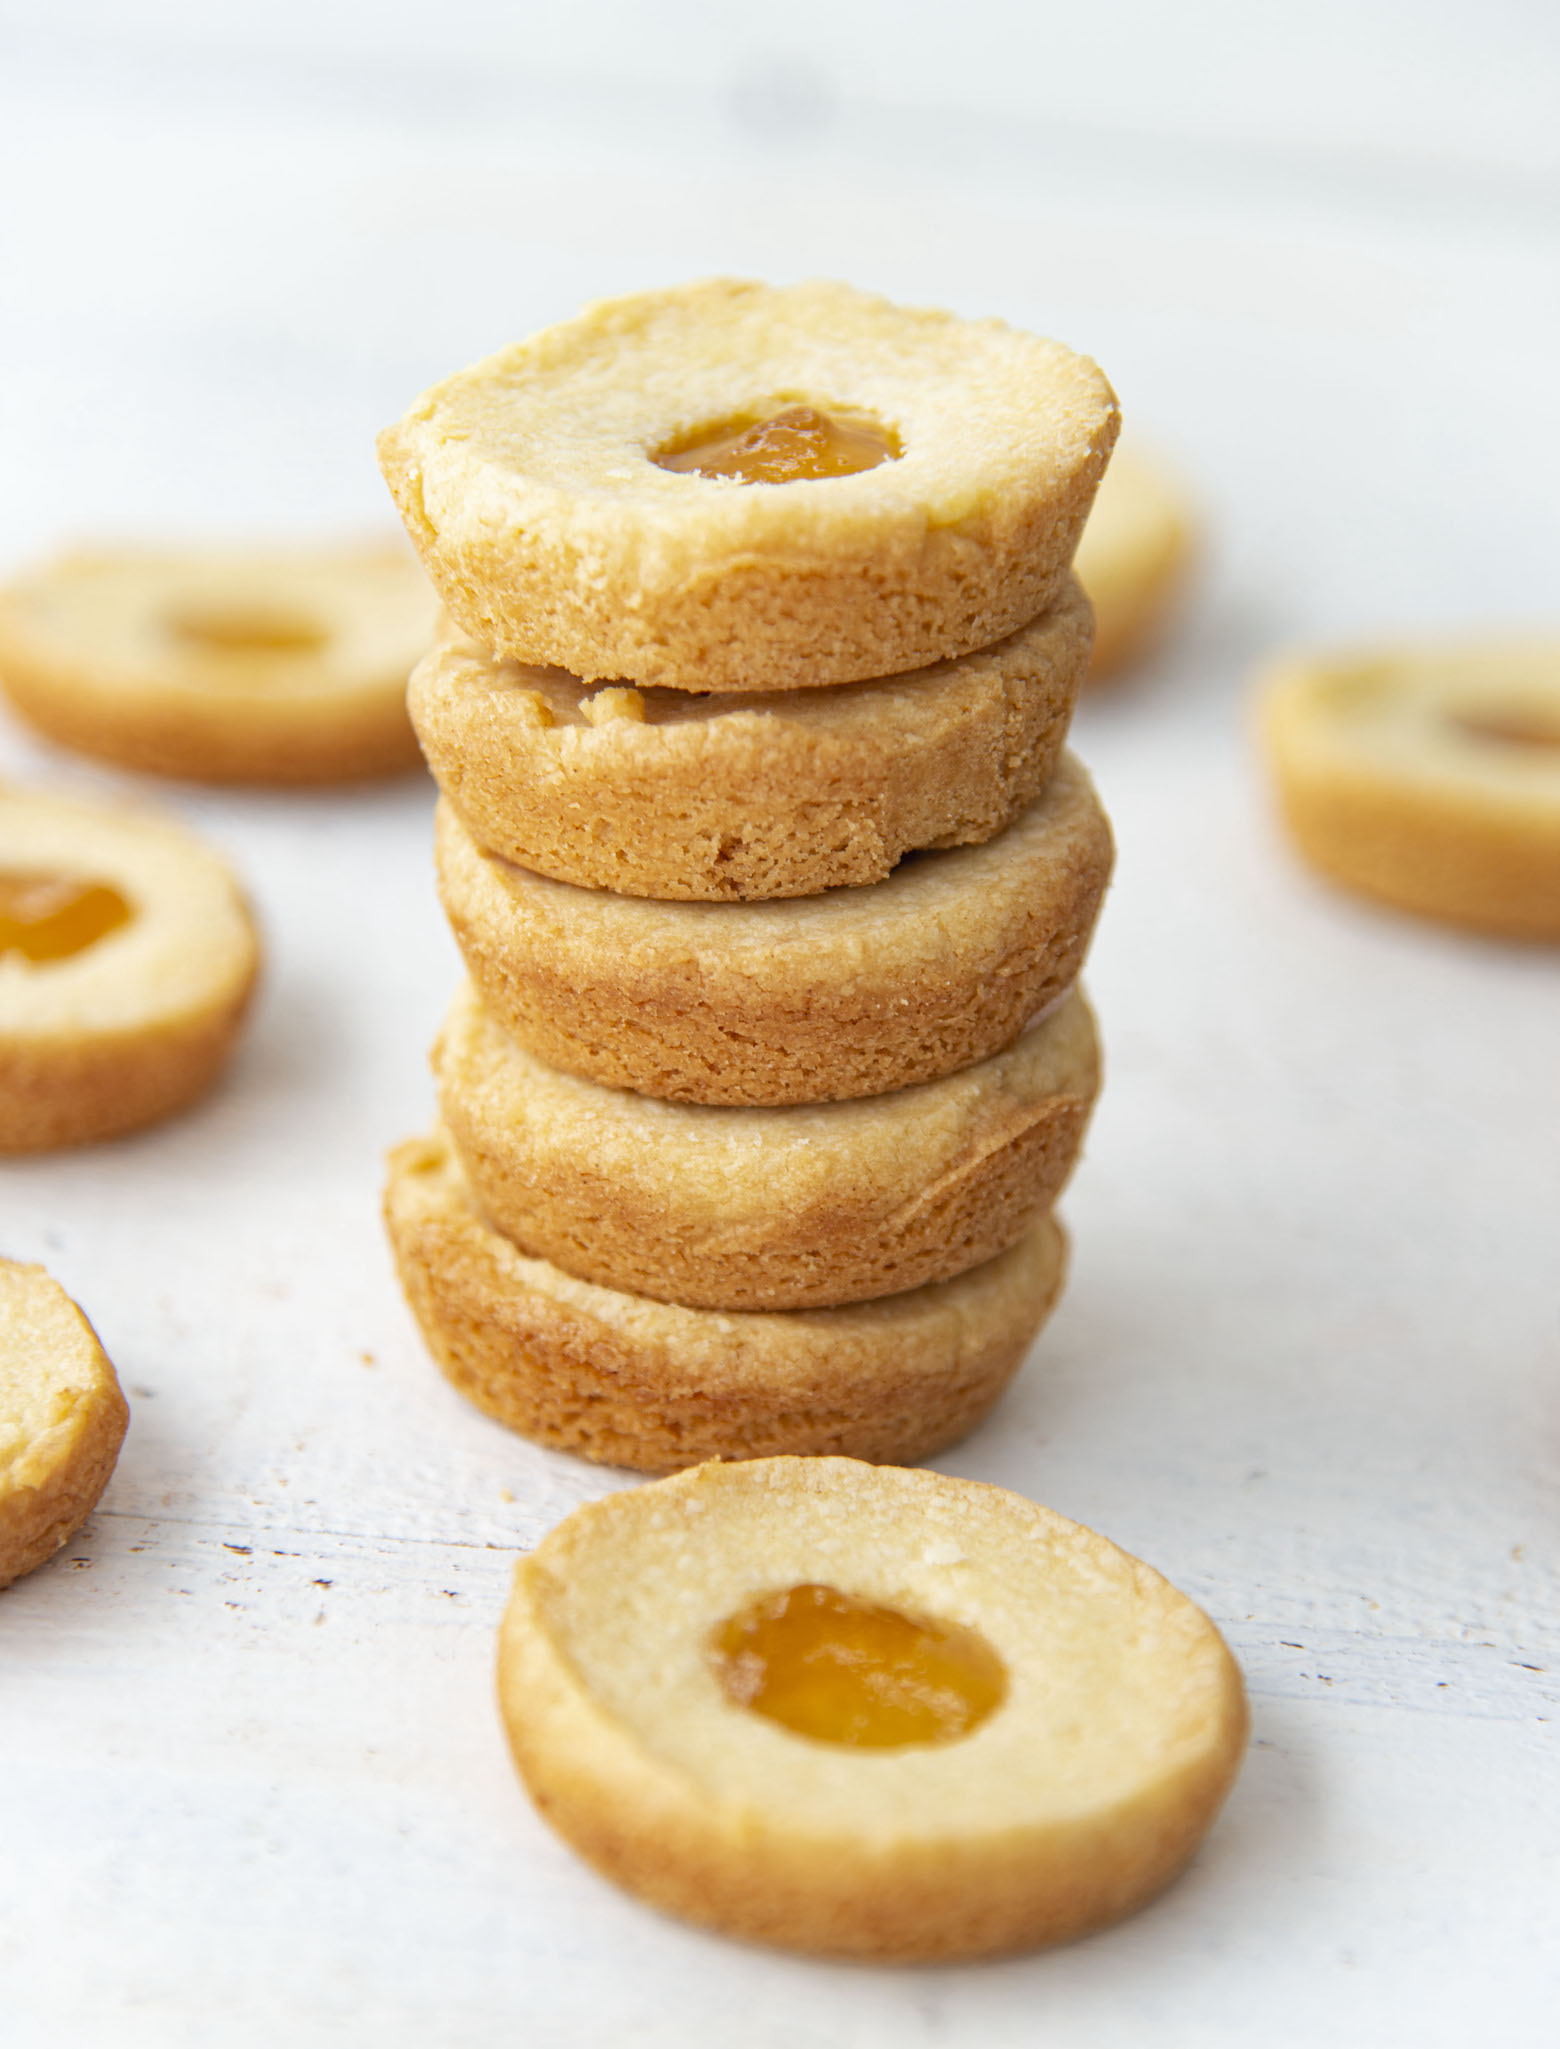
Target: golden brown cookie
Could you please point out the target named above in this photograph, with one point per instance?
(62, 1419)
(127, 957)
(1135, 558)
(865, 1712)
(662, 793)
(803, 1001)
(262, 665)
(628, 1381)
(767, 1209)
(560, 493)
(1428, 777)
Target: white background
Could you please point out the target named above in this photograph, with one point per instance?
(252, 1786)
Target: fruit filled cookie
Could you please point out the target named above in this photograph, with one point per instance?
(865, 1712)
(257, 666)
(628, 1381)
(1135, 558)
(730, 486)
(127, 956)
(803, 1001)
(663, 793)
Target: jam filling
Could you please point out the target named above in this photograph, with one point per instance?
(247, 629)
(1514, 726)
(841, 1670)
(50, 917)
(799, 444)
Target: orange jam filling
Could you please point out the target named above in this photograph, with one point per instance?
(1513, 726)
(247, 629)
(50, 917)
(798, 444)
(826, 1665)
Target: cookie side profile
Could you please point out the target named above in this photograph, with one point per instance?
(627, 1381)
(1135, 558)
(127, 961)
(1103, 1717)
(272, 666)
(62, 1419)
(546, 492)
(663, 793)
(809, 1000)
(767, 1209)
(1427, 778)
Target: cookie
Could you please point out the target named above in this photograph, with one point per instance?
(62, 1419)
(253, 666)
(863, 1712)
(127, 957)
(662, 793)
(632, 1382)
(767, 1209)
(1427, 777)
(732, 487)
(1135, 558)
(803, 1001)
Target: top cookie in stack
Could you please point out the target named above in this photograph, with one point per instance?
(815, 550)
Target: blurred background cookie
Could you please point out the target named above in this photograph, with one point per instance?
(127, 958)
(1136, 557)
(1427, 777)
(261, 665)
(62, 1419)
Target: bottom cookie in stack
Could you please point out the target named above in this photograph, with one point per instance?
(628, 1381)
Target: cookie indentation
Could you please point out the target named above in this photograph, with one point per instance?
(797, 444)
(45, 916)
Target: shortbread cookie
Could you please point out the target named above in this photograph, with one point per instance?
(662, 793)
(127, 956)
(254, 666)
(767, 1209)
(863, 1712)
(628, 1381)
(805, 1001)
(608, 497)
(1135, 558)
(1428, 777)
(62, 1419)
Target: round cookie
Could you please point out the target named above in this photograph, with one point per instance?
(628, 1381)
(535, 487)
(127, 957)
(1071, 1799)
(803, 1001)
(62, 1419)
(767, 1209)
(662, 793)
(1428, 777)
(258, 666)
(1134, 559)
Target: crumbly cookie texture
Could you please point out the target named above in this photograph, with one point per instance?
(528, 486)
(767, 1209)
(805, 1001)
(1080, 1797)
(1427, 777)
(62, 1419)
(661, 793)
(234, 666)
(1135, 559)
(140, 1022)
(628, 1381)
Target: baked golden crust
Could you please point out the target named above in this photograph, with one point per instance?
(662, 793)
(804, 1001)
(527, 484)
(627, 1381)
(139, 1024)
(767, 1209)
(241, 666)
(1427, 777)
(1135, 558)
(1079, 1798)
(62, 1419)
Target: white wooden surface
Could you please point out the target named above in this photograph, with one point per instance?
(251, 1781)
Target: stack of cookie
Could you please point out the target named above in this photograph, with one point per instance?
(771, 874)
